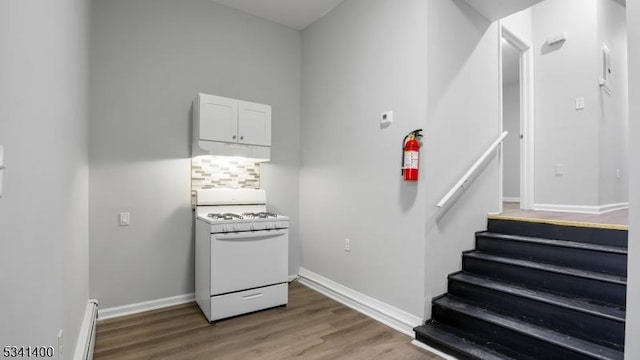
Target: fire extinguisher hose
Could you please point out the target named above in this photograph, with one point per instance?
(404, 141)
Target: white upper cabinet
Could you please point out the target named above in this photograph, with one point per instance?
(218, 118)
(254, 123)
(233, 121)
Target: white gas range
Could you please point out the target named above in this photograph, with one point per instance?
(241, 253)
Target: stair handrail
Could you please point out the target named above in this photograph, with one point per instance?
(465, 178)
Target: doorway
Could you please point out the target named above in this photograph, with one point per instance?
(516, 118)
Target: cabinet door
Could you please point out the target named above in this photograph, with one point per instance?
(218, 118)
(254, 123)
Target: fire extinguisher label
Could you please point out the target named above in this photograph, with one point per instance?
(411, 160)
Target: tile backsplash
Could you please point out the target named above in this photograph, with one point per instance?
(208, 172)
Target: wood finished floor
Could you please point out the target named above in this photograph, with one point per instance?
(616, 217)
(311, 326)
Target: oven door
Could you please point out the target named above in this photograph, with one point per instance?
(246, 260)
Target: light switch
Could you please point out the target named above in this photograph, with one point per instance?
(579, 103)
(125, 219)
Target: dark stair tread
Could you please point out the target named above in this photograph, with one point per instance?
(548, 267)
(609, 312)
(615, 235)
(554, 242)
(553, 337)
(458, 341)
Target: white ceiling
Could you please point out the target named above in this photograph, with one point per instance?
(296, 14)
(497, 9)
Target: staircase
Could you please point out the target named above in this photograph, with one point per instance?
(534, 291)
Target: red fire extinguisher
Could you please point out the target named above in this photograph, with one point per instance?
(410, 155)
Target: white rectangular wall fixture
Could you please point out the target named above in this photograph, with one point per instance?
(2, 167)
(386, 118)
(557, 39)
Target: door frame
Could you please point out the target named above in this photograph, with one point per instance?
(526, 117)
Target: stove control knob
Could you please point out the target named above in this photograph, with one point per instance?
(252, 227)
(225, 228)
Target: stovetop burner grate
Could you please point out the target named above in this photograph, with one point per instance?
(225, 216)
(258, 215)
(246, 215)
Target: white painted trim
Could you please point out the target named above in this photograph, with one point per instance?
(87, 335)
(433, 350)
(144, 306)
(500, 120)
(584, 209)
(292, 278)
(613, 207)
(391, 316)
(511, 199)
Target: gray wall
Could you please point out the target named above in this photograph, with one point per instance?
(364, 58)
(462, 121)
(564, 135)
(43, 210)
(591, 143)
(149, 59)
(520, 24)
(613, 117)
(402, 246)
(632, 348)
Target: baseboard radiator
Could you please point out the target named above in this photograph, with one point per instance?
(87, 337)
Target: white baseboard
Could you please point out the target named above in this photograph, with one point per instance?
(292, 278)
(510, 199)
(87, 335)
(585, 209)
(433, 350)
(144, 306)
(391, 316)
(613, 207)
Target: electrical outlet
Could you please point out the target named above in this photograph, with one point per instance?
(559, 169)
(347, 245)
(60, 345)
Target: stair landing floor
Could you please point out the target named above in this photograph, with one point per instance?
(617, 219)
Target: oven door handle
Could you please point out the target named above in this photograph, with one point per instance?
(249, 235)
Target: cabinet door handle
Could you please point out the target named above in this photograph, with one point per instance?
(233, 137)
(241, 137)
